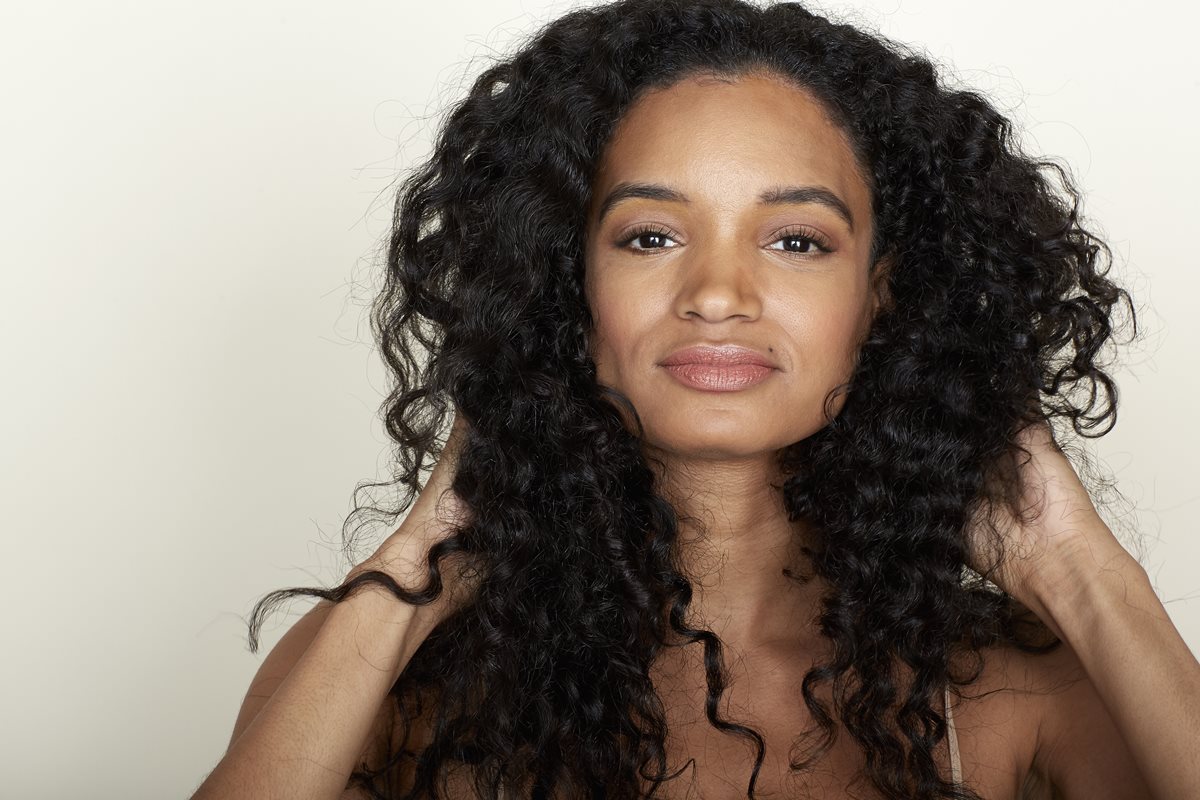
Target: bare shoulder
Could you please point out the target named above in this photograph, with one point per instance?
(1080, 750)
(996, 718)
(413, 732)
(1033, 724)
(275, 668)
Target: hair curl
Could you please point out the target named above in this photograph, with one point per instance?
(1000, 308)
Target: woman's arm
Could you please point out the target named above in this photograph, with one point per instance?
(307, 739)
(1138, 666)
(1139, 709)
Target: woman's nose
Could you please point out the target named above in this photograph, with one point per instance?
(718, 282)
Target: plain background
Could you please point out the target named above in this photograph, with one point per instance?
(193, 197)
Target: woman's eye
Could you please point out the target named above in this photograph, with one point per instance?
(804, 243)
(648, 240)
(800, 243)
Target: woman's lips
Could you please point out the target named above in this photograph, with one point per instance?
(719, 377)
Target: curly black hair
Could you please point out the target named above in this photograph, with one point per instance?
(1000, 312)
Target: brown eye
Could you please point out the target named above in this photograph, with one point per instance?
(803, 242)
(648, 238)
(798, 244)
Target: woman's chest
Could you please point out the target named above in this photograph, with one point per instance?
(994, 733)
(720, 763)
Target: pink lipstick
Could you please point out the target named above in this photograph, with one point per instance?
(718, 368)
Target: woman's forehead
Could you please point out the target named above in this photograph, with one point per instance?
(733, 138)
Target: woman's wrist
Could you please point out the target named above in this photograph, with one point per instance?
(423, 618)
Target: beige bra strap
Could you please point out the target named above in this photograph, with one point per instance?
(952, 736)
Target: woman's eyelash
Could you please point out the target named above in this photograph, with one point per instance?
(645, 230)
(804, 234)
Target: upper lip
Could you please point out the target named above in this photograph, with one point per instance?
(721, 354)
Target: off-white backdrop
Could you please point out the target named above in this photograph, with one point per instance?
(192, 198)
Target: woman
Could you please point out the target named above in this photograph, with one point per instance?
(752, 334)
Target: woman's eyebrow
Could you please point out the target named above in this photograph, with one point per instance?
(776, 195)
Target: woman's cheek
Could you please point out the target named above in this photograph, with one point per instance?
(835, 334)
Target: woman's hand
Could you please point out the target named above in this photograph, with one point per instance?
(1061, 523)
(433, 517)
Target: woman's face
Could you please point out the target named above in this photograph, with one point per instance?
(728, 213)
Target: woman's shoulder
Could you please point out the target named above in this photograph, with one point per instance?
(1003, 719)
(999, 714)
(411, 731)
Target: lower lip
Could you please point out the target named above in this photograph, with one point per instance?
(713, 378)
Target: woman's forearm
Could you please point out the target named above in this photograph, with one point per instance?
(1149, 680)
(308, 738)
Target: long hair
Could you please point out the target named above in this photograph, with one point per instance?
(1000, 310)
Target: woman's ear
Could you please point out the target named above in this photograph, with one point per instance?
(880, 286)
